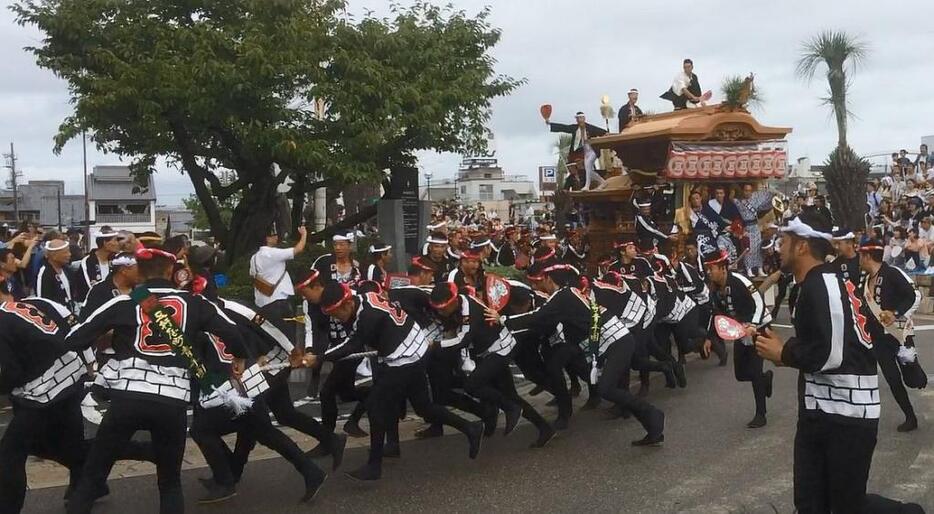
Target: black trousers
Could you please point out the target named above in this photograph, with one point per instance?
(340, 382)
(886, 350)
(393, 385)
(208, 425)
(528, 357)
(277, 400)
(617, 363)
(166, 424)
(54, 432)
(559, 357)
(747, 367)
(492, 382)
(688, 335)
(445, 376)
(783, 281)
(832, 462)
(643, 339)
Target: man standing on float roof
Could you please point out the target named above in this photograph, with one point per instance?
(630, 111)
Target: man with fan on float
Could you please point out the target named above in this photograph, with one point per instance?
(580, 151)
(891, 298)
(400, 345)
(148, 380)
(490, 345)
(735, 296)
(594, 335)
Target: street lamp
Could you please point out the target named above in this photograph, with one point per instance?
(428, 176)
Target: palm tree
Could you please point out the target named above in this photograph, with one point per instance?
(846, 172)
(841, 53)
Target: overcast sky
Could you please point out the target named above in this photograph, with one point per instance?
(571, 57)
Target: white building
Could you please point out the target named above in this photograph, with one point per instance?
(481, 180)
(117, 201)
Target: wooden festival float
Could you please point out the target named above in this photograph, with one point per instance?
(695, 148)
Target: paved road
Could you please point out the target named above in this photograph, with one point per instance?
(710, 463)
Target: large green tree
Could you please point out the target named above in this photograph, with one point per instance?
(268, 89)
(846, 172)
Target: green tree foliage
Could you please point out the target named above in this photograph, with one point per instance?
(200, 221)
(268, 89)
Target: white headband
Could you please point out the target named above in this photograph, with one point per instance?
(802, 229)
(844, 237)
(384, 248)
(633, 90)
(437, 241)
(107, 235)
(124, 260)
(55, 244)
(343, 237)
(439, 225)
(548, 237)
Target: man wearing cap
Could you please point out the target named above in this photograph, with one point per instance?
(52, 282)
(838, 388)
(96, 265)
(630, 111)
(891, 298)
(735, 296)
(846, 263)
(580, 149)
(272, 287)
(400, 345)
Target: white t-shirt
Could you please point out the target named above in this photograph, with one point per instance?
(269, 264)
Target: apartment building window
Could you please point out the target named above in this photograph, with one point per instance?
(486, 191)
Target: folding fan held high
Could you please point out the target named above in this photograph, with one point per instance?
(546, 112)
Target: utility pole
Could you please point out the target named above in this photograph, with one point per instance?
(87, 202)
(13, 183)
(58, 198)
